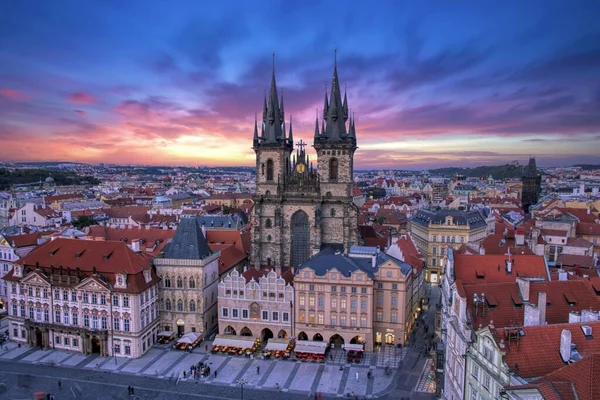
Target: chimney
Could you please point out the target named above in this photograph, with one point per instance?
(374, 261)
(563, 275)
(542, 307)
(589, 315)
(519, 238)
(482, 251)
(565, 345)
(135, 245)
(524, 288)
(204, 231)
(509, 266)
(574, 317)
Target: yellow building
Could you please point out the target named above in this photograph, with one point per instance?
(432, 230)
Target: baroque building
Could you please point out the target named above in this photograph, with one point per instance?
(299, 209)
(85, 296)
(189, 274)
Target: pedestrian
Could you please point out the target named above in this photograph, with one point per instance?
(356, 376)
(215, 374)
(129, 390)
(132, 391)
(206, 348)
(59, 385)
(258, 370)
(319, 396)
(184, 374)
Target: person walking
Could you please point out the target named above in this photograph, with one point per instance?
(206, 348)
(215, 374)
(132, 391)
(258, 370)
(356, 376)
(184, 374)
(59, 385)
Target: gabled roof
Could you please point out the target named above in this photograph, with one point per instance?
(127, 211)
(579, 242)
(465, 267)
(153, 239)
(189, 242)
(29, 239)
(537, 353)
(584, 228)
(229, 257)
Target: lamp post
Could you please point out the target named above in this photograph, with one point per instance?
(242, 382)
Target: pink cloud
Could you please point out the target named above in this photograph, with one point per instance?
(81, 98)
(81, 112)
(12, 94)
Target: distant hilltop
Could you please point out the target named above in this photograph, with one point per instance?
(496, 171)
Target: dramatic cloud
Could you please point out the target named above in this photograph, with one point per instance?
(145, 83)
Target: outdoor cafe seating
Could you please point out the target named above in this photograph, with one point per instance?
(354, 352)
(311, 351)
(235, 345)
(165, 337)
(189, 341)
(279, 348)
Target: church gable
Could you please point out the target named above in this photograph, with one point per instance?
(35, 278)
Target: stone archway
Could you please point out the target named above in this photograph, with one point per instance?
(229, 330)
(302, 336)
(247, 332)
(317, 337)
(357, 340)
(282, 334)
(96, 345)
(336, 341)
(266, 334)
(39, 338)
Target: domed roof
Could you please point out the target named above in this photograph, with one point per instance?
(49, 179)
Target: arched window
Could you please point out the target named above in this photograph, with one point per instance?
(179, 282)
(179, 305)
(192, 306)
(269, 238)
(268, 193)
(268, 223)
(333, 169)
(192, 283)
(167, 282)
(332, 212)
(168, 305)
(269, 170)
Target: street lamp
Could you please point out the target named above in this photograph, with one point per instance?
(504, 395)
(242, 382)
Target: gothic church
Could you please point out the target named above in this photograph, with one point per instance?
(300, 209)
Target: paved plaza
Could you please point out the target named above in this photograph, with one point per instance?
(335, 378)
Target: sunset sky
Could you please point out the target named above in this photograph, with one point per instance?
(178, 82)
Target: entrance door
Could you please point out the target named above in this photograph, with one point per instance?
(38, 338)
(96, 345)
(389, 338)
(180, 330)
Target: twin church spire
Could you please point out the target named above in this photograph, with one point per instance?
(337, 124)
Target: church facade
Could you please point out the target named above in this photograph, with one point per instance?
(301, 207)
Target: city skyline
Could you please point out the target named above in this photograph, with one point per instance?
(141, 83)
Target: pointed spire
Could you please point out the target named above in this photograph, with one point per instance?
(283, 129)
(255, 129)
(317, 124)
(337, 113)
(274, 115)
(323, 131)
(291, 136)
(326, 104)
(345, 105)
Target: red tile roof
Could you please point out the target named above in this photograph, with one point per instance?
(107, 257)
(499, 244)
(148, 237)
(537, 352)
(262, 271)
(494, 266)
(572, 260)
(230, 256)
(554, 232)
(62, 197)
(26, 240)
(580, 213)
(584, 228)
(579, 242)
(127, 211)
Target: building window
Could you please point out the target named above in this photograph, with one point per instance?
(394, 301)
(265, 315)
(168, 305)
(126, 325)
(94, 298)
(311, 301)
(342, 320)
(286, 316)
(380, 299)
(343, 289)
(167, 282)
(86, 298)
(270, 170)
(434, 238)
(225, 312)
(363, 304)
(473, 394)
(334, 303)
(394, 286)
(116, 324)
(343, 303)
(75, 319)
(301, 301)
(394, 317)
(56, 294)
(333, 169)
(311, 288)
(94, 322)
(363, 322)
(353, 289)
(117, 348)
(353, 304)
(125, 301)
(103, 323)
(268, 223)
(379, 316)
(486, 382)
(333, 319)
(363, 290)
(86, 320)
(244, 314)
(475, 371)
(14, 310)
(353, 320)
(379, 285)
(73, 296)
(102, 299)
(179, 305)
(115, 301)
(332, 212)
(127, 350)
(320, 319)
(65, 296)
(179, 282)
(23, 312)
(275, 316)
(192, 306)
(321, 302)
(235, 313)
(46, 316)
(57, 316)
(192, 283)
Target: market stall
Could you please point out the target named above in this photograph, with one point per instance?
(308, 350)
(354, 352)
(279, 348)
(235, 345)
(165, 337)
(189, 341)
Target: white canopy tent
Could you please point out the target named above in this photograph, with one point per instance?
(166, 333)
(354, 347)
(277, 344)
(245, 342)
(311, 346)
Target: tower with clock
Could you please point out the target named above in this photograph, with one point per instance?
(300, 209)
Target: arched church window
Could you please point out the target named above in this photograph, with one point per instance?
(328, 195)
(332, 212)
(262, 169)
(168, 305)
(179, 305)
(268, 223)
(192, 283)
(192, 306)
(269, 170)
(179, 282)
(268, 193)
(269, 238)
(333, 169)
(167, 282)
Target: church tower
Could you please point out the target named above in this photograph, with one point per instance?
(297, 209)
(532, 184)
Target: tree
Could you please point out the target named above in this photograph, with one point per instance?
(82, 222)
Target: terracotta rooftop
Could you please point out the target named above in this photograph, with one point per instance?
(230, 256)
(584, 228)
(499, 244)
(537, 351)
(127, 211)
(148, 237)
(29, 239)
(554, 232)
(579, 242)
(255, 273)
(573, 259)
(61, 197)
(467, 267)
